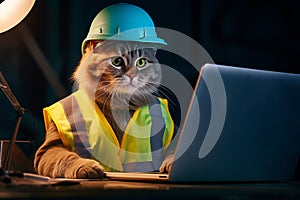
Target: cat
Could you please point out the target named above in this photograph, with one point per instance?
(118, 85)
(120, 77)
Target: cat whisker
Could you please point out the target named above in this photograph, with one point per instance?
(166, 93)
(104, 88)
(103, 93)
(106, 82)
(150, 87)
(118, 99)
(105, 101)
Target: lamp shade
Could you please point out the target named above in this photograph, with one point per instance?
(13, 12)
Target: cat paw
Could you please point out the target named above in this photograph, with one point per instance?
(85, 169)
(167, 164)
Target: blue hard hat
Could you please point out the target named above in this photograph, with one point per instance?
(124, 22)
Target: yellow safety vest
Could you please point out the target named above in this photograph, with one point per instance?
(84, 129)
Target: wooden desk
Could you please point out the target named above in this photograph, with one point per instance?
(106, 189)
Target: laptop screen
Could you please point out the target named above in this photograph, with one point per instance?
(243, 125)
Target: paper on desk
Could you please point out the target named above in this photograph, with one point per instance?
(45, 180)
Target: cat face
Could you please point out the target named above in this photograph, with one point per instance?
(120, 74)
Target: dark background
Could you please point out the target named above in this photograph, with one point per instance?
(246, 33)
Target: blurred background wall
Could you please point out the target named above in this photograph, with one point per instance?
(246, 33)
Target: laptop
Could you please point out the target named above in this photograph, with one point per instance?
(241, 125)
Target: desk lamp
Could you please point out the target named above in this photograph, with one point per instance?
(12, 12)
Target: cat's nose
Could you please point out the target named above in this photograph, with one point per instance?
(131, 74)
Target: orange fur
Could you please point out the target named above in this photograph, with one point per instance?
(53, 158)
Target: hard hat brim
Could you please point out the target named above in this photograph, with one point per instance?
(156, 42)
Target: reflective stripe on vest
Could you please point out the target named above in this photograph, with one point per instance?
(78, 127)
(156, 142)
(85, 130)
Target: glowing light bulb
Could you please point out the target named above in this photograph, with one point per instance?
(13, 12)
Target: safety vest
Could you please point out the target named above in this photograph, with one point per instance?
(84, 129)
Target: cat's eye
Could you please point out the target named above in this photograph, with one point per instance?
(141, 62)
(117, 61)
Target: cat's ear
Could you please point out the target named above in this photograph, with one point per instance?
(94, 43)
(152, 51)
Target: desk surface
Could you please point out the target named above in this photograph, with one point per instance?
(28, 189)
